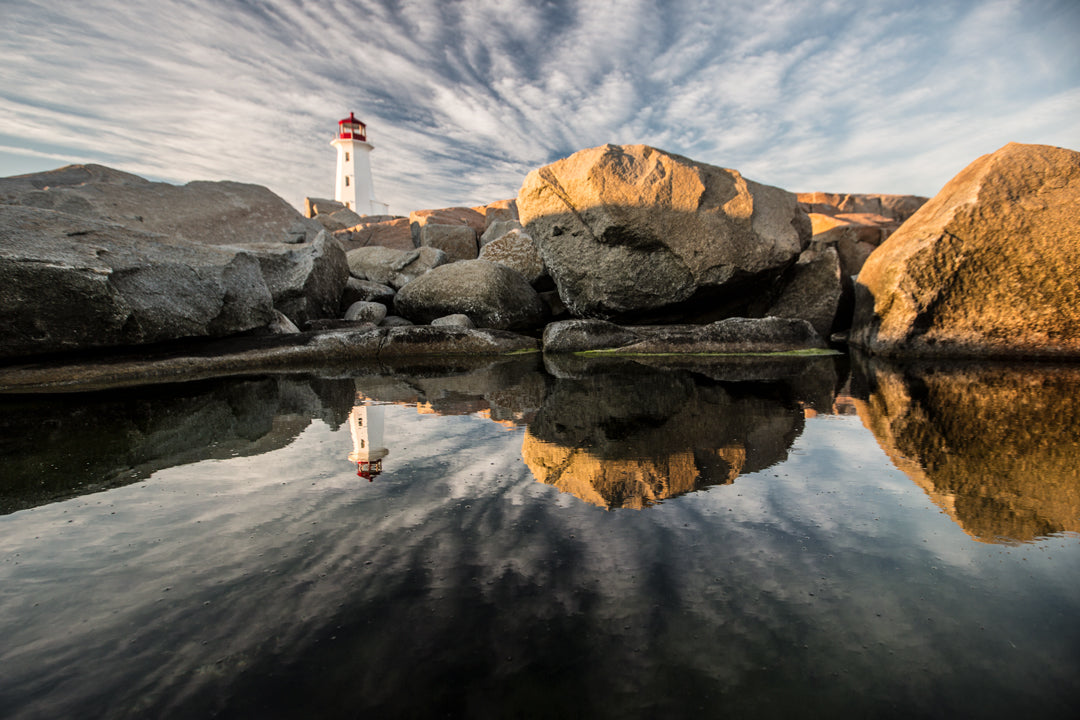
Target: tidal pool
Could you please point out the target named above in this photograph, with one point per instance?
(504, 539)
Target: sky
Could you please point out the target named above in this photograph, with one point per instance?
(463, 98)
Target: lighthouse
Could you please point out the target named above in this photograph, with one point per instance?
(353, 186)
(366, 428)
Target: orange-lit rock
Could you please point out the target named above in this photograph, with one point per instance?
(986, 268)
(627, 230)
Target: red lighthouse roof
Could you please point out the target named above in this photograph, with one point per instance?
(351, 129)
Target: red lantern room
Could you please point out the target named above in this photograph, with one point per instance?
(352, 129)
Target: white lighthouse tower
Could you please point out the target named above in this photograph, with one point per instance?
(366, 428)
(353, 185)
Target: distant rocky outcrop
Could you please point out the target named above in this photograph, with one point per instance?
(385, 232)
(985, 268)
(492, 295)
(629, 231)
(452, 230)
(72, 283)
(212, 213)
(855, 224)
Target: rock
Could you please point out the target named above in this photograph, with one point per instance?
(282, 325)
(897, 208)
(449, 340)
(447, 216)
(213, 213)
(325, 324)
(357, 290)
(395, 268)
(396, 321)
(457, 320)
(321, 206)
(556, 309)
(306, 281)
(985, 268)
(371, 312)
(627, 230)
(734, 335)
(844, 239)
(457, 241)
(339, 220)
(392, 233)
(516, 250)
(77, 282)
(498, 211)
(492, 295)
(497, 229)
(813, 292)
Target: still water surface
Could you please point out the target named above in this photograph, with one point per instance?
(580, 541)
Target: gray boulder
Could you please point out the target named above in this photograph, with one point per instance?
(392, 267)
(79, 282)
(492, 295)
(627, 230)
(457, 320)
(357, 290)
(516, 250)
(734, 335)
(813, 292)
(457, 241)
(497, 229)
(214, 213)
(396, 321)
(339, 220)
(306, 281)
(371, 312)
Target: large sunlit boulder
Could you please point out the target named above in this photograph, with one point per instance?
(988, 267)
(629, 230)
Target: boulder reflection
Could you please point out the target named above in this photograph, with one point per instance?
(994, 446)
(631, 437)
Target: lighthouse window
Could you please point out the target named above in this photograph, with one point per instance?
(346, 156)
(346, 181)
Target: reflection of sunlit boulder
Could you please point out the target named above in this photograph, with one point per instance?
(633, 439)
(995, 447)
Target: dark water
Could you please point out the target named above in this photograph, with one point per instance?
(762, 539)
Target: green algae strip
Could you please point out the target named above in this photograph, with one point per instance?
(803, 352)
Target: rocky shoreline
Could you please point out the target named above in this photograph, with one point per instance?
(110, 278)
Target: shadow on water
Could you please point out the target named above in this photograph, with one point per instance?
(996, 446)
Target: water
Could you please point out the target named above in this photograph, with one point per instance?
(591, 541)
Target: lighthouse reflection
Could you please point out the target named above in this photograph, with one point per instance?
(366, 428)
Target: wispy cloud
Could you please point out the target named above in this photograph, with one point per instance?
(463, 98)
